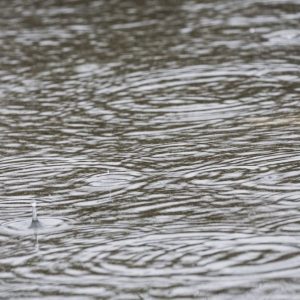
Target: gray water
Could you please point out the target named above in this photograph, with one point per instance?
(160, 140)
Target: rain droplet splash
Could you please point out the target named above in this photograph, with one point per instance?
(34, 225)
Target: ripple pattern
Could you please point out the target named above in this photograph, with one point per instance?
(166, 133)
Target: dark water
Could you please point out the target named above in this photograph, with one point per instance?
(193, 107)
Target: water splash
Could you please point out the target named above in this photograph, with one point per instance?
(35, 223)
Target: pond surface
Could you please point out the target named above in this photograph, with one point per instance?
(162, 139)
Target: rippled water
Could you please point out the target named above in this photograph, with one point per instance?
(161, 138)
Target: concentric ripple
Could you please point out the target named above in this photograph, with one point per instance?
(26, 226)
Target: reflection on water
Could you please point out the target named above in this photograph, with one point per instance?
(167, 132)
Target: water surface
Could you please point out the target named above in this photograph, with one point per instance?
(165, 134)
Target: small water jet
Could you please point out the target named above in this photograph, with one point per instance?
(35, 223)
